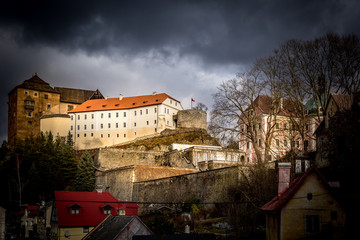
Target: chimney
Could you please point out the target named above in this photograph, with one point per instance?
(284, 177)
(121, 97)
(154, 93)
(106, 97)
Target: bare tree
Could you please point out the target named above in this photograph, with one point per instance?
(201, 106)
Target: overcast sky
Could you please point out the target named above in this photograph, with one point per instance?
(183, 48)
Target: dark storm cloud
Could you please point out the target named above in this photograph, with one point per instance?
(46, 36)
(217, 31)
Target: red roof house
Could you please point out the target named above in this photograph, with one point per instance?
(85, 210)
(306, 207)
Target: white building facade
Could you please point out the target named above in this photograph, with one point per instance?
(110, 121)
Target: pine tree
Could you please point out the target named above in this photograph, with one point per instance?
(85, 177)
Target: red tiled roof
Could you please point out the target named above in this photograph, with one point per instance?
(124, 103)
(265, 104)
(277, 202)
(91, 211)
(343, 101)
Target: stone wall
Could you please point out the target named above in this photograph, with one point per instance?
(192, 119)
(111, 158)
(119, 181)
(209, 186)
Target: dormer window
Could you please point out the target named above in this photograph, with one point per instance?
(103, 105)
(74, 209)
(107, 209)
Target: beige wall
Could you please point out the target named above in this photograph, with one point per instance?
(76, 233)
(322, 204)
(58, 125)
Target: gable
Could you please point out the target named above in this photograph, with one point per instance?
(311, 194)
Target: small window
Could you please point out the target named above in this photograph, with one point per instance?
(140, 112)
(84, 134)
(78, 117)
(71, 127)
(154, 110)
(146, 111)
(92, 126)
(117, 125)
(48, 106)
(85, 116)
(92, 134)
(84, 127)
(26, 93)
(75, 211)
(46, 96)
(72, 118)
(135, 113)
(155, 121)
(78, 135)
(117, 114)
(124, 114)
(101, 126)
(78, 127)
(109, 125)
(108, 135)
(35, 94)
(147, 122)
(109, 115)
(124, 124)
(107, 211)
(124, 135)
(117, 135)
(135, 133)
(92, 116)
(29, 123)
(134, 124)
(312, 223)
(102, 115)
(101, 135)
(85, 229)
(29, 114)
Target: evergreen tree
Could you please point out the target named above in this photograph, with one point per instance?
(85, 177)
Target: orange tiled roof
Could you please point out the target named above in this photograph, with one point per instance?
(124, 103)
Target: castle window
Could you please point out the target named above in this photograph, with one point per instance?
(35, 94)
(26, 93)
(48, 106)
(29, 114)
(46, 96)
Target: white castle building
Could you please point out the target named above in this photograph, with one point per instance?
(110, 121)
